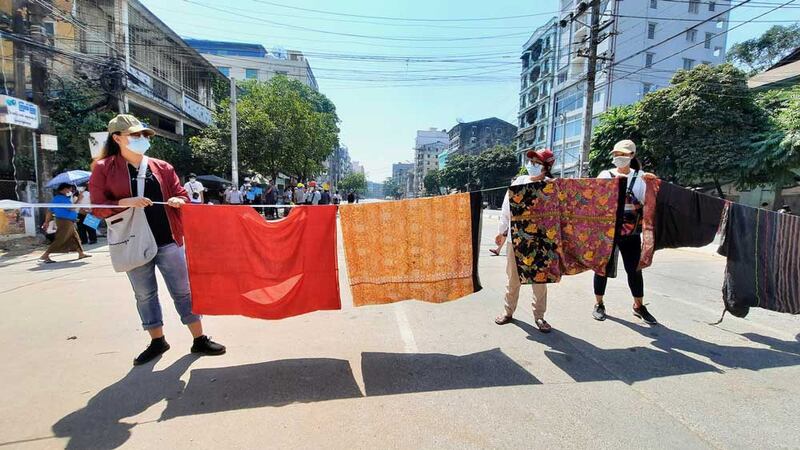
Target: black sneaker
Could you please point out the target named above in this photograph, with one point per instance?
(642, 313)
(599, 312)
(206, 346)
(156, 348)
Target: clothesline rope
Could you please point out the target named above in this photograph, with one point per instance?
(12, 204)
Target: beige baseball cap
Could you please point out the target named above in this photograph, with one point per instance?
(126, 124)
(626, 146)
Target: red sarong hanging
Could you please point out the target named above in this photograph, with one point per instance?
(241, 264)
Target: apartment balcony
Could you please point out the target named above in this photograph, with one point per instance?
(171, 97)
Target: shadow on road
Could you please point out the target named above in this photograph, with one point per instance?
(100, 424)
(69, 264)
(402, 373)
(274, 383)
(585, 362)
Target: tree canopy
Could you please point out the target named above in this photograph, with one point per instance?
(392, 189)
(283, 126)
(355, 182)
(760, 53)
(432, 182)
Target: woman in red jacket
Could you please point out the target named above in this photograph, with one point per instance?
(113, 182)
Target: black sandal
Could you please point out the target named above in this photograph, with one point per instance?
(502, 320)
(543, 326)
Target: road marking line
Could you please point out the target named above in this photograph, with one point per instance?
(409, 343)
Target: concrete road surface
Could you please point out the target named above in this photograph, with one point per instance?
(411, 375)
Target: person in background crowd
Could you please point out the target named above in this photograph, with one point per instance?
(114, 182)
(195, 189)
(785, 209)
(300, 194)
(288, 199)
(223, 193)
(246, 187)
(351, 197)
(326, 198)
(629, 239)
(315, 196)
(66, 239)
(538, 166)
(234, 196)
(337, 198)
(270, 198)
(87, 234)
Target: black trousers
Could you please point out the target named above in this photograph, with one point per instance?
(631, 249)
(88, 235)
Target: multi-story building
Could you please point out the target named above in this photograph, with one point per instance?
(430, 136)
(143, 67)
(474, 138)
(644, 42)
(357, 167)
(536, 86)
(399, 170)
(254, 62)
(425, 160)
(337, 166)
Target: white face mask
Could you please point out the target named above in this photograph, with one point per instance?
(138, 145)
(81, 188)
(534, 170)
(192, 180)
(622, 161)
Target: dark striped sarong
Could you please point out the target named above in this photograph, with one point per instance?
(763, 269)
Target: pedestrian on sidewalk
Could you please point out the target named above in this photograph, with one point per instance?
(114, 182)
(337, 198)
(629, 239)
(66, 239)
(233, 196)
(351, 197)
(300, 194)
(87, 234)
(538, 166)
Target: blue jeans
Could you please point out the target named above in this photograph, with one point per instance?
(171, 262)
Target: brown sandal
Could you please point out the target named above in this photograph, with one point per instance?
(543, 326)
(494, 252)
(502, 319)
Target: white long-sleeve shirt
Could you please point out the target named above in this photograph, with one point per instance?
(505, 210)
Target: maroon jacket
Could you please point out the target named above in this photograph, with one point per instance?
(111, 182)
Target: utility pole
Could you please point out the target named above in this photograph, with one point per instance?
(39, 81)
(234, 138)
(591, 72)
(563, 118)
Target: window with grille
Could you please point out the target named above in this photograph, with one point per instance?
(648, 59)
(694, 6)
(651, 30)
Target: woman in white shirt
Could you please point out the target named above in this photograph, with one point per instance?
(538, 166)
(629, 240)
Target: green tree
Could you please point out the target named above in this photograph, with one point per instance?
(775, 154)
(355, 182)
(283, 126)
(495, 168)
(702, 125)
(460, 173)
(432, 182)
(76, 109)
(392, 189)
(616, 124)
(760, 53)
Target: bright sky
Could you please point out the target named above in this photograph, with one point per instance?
(390, 76)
